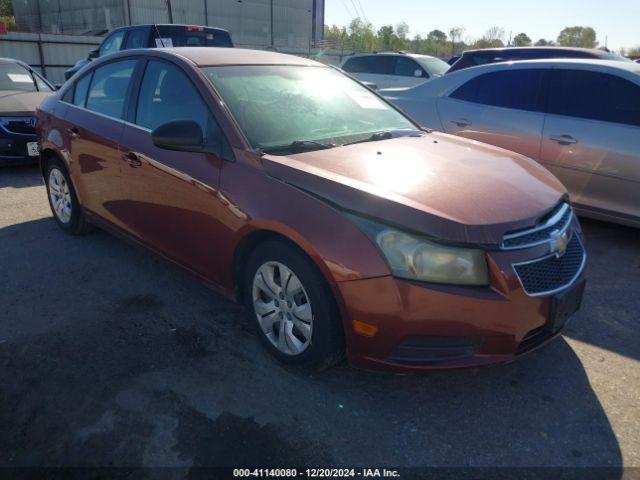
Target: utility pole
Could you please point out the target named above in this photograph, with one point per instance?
(271, 20)
(206, 12)
(169, 11)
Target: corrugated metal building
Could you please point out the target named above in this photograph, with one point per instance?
(282, 23)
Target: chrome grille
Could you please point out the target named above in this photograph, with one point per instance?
(554, 272)
(21, 125)
(556, 223)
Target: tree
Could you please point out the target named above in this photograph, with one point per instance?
(6, 8)
(361, 35)
(456, 35)
(522, 40)
(402, 30)
(437, 36)
(544, 43)
(387, 38)
(578, 37)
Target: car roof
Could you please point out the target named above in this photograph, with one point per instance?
(153, 25)
(13, 60)
(541, 48)
(211, 56)
(404, 54)
(592, 63)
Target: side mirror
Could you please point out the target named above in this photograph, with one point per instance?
(417, 73)
(180, 135)
(93, 54)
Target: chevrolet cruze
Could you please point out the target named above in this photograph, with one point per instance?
(340, 224)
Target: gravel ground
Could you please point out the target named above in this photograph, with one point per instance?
(109, 356)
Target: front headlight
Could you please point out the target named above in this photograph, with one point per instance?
(416, 258)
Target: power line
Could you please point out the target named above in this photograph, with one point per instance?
(344, 4)
(366, 19)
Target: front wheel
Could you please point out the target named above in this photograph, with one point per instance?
(292, 306)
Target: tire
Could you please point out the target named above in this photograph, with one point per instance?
(325, 344)
(66, 211)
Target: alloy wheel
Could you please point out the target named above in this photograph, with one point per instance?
(60, 195)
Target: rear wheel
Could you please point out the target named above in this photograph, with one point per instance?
(63, 200)
(292, 306)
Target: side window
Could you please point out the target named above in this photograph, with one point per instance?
(166, 95)
(112, 43)
(381, 64)
(354, 65)
(407, 67)
(137, 38)
(80, 91)
(520, 89)
(109, 86)
(595, 96)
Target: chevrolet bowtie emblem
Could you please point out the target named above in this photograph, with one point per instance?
(559, 241)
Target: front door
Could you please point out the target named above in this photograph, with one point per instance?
(173, 204)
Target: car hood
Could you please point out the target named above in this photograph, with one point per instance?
(446, 187)
(13, 103)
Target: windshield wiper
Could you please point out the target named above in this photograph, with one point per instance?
(386, 135)
(299, 145)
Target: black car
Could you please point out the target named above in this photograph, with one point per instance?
(21, 91)
(472, 58)
(154, 36)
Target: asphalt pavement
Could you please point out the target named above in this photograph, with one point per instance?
(111, 357)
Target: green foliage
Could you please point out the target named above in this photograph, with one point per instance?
(521, 40)
(6, 8)
(544, 43)
(584, 37)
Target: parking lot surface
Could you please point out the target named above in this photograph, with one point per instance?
(109, 356)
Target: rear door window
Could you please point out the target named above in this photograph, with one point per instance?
(407, 67)
(137, 38)
(112, 43)
(595, 96)
(109, 86)
(520, 89)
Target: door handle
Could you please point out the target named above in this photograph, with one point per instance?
(564, 139)
(74, 132)
(132, 159)
(461, 122)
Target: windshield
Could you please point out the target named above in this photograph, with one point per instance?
(16, 77)
(278, 104)
(434, 66)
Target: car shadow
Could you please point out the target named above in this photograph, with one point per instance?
(20, 176)
(112, 357)
(609, 317)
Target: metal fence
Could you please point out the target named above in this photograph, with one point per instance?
(51, 54)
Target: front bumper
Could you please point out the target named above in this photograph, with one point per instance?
(13, 148)
(428, 326)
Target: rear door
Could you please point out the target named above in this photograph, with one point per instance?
(592, 139)
(94, 124)
(408, 73)
(378, 69)
(503, 108)
(172, 202)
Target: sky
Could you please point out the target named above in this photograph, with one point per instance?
(617, 21)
